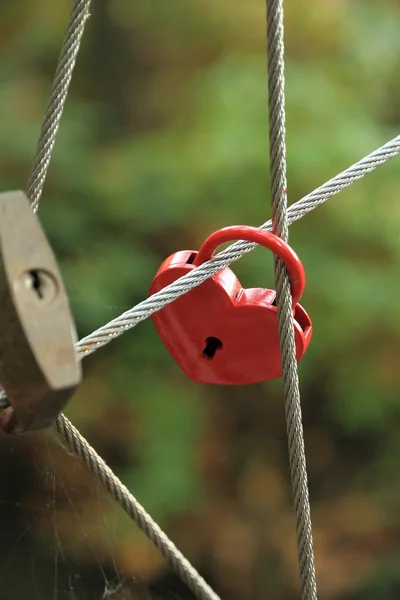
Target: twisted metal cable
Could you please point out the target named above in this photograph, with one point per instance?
(75, 441)
(79, 445)
(195, 277)
(280, 227)
(69, 433)
(58, 96)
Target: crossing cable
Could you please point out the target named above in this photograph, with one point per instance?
(280, 227)
(69, 433)
(130, 318)
(80, 446)
(58, 96)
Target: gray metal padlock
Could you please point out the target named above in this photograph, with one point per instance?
(39, 366)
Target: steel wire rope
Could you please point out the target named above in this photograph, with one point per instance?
(129, 319)
(76, 442)
(280, 227)
(141, 311)
(58, 96)
(182, 567)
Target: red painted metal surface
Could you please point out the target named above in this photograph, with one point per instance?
(219, 332)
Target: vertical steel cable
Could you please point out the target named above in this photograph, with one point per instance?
(277, 144)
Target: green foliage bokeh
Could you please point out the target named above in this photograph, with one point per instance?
(164, 138)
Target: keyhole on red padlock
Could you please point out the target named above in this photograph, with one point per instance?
(212, 346)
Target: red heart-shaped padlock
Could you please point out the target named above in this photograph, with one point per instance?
(219, 332)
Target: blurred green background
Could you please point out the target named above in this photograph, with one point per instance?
(165, 139)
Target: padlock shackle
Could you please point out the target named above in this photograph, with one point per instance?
(264, 238)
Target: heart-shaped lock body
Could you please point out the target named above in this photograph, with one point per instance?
(219, 332)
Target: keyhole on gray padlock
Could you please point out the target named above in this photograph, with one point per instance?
(213, 344)
(40, 285)
(36, 283)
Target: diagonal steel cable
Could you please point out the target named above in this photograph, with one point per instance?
(130, 318)
(280, 227)
(58, 96)
(79, 445)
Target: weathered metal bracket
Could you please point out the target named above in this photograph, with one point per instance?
(39, 367)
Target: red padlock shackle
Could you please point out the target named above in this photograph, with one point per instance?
(264, 238)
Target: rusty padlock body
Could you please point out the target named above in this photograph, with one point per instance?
(39, 367)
